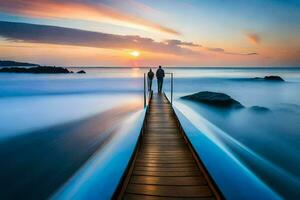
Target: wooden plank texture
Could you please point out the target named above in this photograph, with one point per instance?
(164, 167)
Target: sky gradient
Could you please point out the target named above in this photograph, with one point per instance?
(164, 32)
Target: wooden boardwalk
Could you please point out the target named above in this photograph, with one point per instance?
(164, 166)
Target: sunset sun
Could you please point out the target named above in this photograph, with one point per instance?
(135, 54)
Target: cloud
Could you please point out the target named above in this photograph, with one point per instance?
(32, 33)
(44, 34)
(242, 54)
(253, 38)
(215, 49)
(221, 50)
(180, 43)
(81, 10)
(251, 54)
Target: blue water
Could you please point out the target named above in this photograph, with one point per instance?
(268, 144)
(32, 104)
(52, 125)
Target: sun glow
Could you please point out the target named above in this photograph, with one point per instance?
(135, 53)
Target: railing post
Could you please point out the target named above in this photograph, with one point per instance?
(171, 88)
(145, 91)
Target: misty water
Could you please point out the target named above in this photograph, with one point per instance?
(267, 143)
(51, 125)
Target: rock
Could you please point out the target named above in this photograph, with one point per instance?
(270, 78)
(273, 78)
(259, 109)
(214, 99)
(36, 70)
(81, 72)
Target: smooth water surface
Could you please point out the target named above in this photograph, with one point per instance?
(51, 125)
(51, 120)
(267, 143)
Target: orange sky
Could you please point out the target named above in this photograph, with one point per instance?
(170, 33)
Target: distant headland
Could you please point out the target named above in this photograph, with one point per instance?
(36, 70)
(9, 63)
(24, 67)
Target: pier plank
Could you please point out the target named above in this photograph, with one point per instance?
(164, 165)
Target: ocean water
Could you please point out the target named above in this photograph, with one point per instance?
(267, 143)
(31, 105)
(51, 125)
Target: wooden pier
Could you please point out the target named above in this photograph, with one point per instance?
(165, 165)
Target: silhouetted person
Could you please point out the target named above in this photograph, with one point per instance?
(160, 74)
(150, 78)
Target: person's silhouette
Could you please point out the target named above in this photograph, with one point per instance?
(160, 74)
(150, 78)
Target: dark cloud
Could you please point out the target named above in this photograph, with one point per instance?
(66, 36)
(32, 33)
(89, 10)
(242, 54)
(251, 54)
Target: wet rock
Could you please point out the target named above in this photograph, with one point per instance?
(214, 99)
(81, 72)
(270, 78)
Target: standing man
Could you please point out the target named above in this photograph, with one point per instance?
(150, 78)
(160, 74)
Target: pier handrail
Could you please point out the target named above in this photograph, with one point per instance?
(172, 85)
(147, 93)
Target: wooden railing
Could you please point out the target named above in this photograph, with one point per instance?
(148, 94)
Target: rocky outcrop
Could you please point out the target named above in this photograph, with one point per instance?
(222, 100)
(36, 70)
(81, 72)
(270, 78)
(214, 99)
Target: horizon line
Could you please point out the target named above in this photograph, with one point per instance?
(187, 67)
